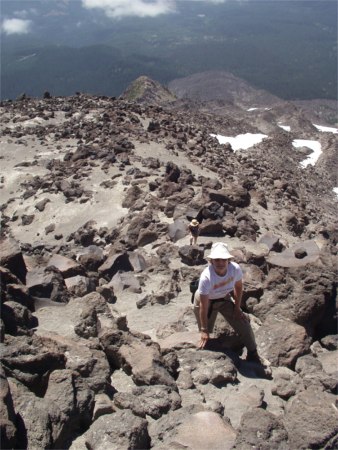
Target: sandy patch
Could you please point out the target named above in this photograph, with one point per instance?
(22, 160)
(159, 151)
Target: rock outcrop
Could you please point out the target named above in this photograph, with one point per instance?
(98, 336)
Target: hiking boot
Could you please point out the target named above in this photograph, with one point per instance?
(255, 358)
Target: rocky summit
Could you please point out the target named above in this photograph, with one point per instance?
(99, 339)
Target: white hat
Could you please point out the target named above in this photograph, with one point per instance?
(219, 250)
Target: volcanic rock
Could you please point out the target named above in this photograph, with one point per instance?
(99, 337)
(12, 259)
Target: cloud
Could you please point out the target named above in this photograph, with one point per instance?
(140, 8)
(16, 26)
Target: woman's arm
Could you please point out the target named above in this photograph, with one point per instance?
(204, 306)
(238, 293)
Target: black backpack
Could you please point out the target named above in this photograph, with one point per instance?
(193, 288)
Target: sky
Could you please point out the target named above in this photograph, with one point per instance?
(19, 23)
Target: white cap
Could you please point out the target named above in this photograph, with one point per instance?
(219, 250)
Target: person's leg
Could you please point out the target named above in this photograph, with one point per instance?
(211, 318)
(242, 328)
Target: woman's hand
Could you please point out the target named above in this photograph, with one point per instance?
(204, 339)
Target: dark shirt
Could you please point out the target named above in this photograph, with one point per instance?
(194, 230)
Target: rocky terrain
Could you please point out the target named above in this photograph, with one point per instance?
(98, 336)
(222, 92)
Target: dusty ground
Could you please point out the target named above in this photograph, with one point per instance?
(104, 207)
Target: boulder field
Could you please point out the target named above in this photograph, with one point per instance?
(98, 336)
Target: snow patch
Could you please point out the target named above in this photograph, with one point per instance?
(326, 129)
(285, 127)
(313, 145)
(242, 141)
(254, 109)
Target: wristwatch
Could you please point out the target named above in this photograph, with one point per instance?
(204, 329)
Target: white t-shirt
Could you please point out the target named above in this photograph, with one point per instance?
(218, 287)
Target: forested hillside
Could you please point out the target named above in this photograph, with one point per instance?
(286, 48)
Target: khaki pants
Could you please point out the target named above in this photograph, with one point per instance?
(226, 308)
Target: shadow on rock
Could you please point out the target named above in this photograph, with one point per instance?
(245, 368)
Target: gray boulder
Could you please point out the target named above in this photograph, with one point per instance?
(328, 361)
(114, 263)
(192, 429)
(177, 230)
(31, 361)
(210, 227)
(139, 222)
(286, 383)
(43, 283)
(147, 236)
(271, 241)
(232, 194)
(282, 341)
(79, 285)
(311, 419)
(52, 421)
(261, 429)
(91, 257)
(153, 401)
(137, 261)
(132, 195)
(299, 294)
(208, 367)
(19, 294)
(8, 428)
(12, 259)
(17, 318)
(330, 342)
(192, 255)
(67, 266)
(253, 278)
(122, 281)
(138, 356)
(86, 360)
(116, 431)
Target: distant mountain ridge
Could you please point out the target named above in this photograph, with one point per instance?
(223, 94)
(221, 85)
(144, 89)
